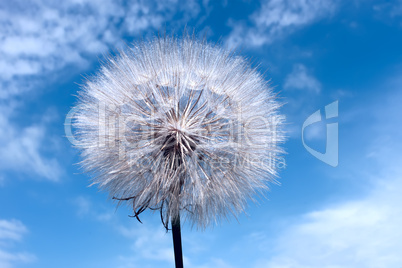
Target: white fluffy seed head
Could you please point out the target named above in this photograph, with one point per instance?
(179, 125)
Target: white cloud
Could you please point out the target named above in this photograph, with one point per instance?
(40, 38)
(388, 10)
(153, 247)
(277, 18)
(364, 231)
(83, 205)
(10, 232)
(216, 263)
(150, 243)
(301, 79)
(304, 91)
(86, 208)
(25, 149)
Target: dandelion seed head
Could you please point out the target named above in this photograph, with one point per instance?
(179, 125)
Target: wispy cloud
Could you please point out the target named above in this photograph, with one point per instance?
(86, 208)
(149, 244)
(388, 10)
(152, 246)
(12, 231)
(83, 204)
(276, 18)
(303, 90)
(363, 231)
(27, 150)
(301, 79)
(39, 38)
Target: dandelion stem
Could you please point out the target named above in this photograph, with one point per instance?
(176, 233)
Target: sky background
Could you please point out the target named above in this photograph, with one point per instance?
(314, 53)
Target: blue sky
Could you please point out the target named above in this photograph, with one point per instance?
(314, 52)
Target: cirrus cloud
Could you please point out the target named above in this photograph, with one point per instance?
(12, 231)
(276, 18)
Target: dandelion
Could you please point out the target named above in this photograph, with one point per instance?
(180, 126)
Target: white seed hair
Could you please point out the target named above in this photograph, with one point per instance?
(179, 125)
